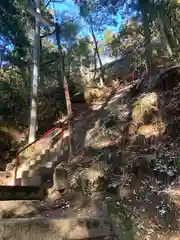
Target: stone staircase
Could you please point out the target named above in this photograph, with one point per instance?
(39, 171)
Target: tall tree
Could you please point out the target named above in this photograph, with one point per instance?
(35, 79)
(162, 14)
(144, 9)
(97, 19)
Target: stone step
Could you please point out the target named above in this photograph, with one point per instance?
(40, 161)
(44, 151)
(35, 180)
(32, 162)
(34, 170)
(38, 170)
(26, 166)
(45, 156)
(41, 169)
(8, 193)
(28, 173)
(38, 158)
(49, 158)
(61, 228)
(55, 159)
(44, 170)
(22, 169)
(48, 165)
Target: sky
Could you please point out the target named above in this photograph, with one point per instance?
(68, 7)
(72, 9)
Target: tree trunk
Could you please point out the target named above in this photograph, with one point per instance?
(171, 34)
(65, 86)
(41, 85)
(2, 57)
(163, 36)
(35, 78)
(100, 62)
(147, 36)
(95, 65)
(97, 52)
(173, 42)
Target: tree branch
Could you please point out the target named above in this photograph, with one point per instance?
(60, 1)
(48, 3)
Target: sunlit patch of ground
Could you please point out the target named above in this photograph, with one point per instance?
(155, 129)
(100, 136)
(143, 106)
(174, 195)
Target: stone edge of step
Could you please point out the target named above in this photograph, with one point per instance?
(70, 228)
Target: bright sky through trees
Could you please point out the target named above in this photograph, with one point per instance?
(68, 7)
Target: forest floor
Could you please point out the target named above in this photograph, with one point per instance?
(137, 140)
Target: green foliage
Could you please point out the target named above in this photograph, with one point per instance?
(177, 161)
(69, 31)
(149, 12)
(79, 54)
(96, 15)
(13, 97)
(48, 14)
(100, 49)
(83, 47)
(12, 25)
(108, 36)
(48, 64)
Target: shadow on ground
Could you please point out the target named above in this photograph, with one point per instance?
(139, 161)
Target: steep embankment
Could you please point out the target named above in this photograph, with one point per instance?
(131, 143)
(136, 140)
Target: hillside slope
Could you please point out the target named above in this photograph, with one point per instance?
(134, 144)
(136, 141)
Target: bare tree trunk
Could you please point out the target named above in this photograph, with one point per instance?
(2, 57)
(97, 52)
(65, 86)
(95, 65)
(100, 62)
(148, 45)
(171, 34)
(163, 37)
(68, 103)
(41, 85)
(173, 42)
(35, 78)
